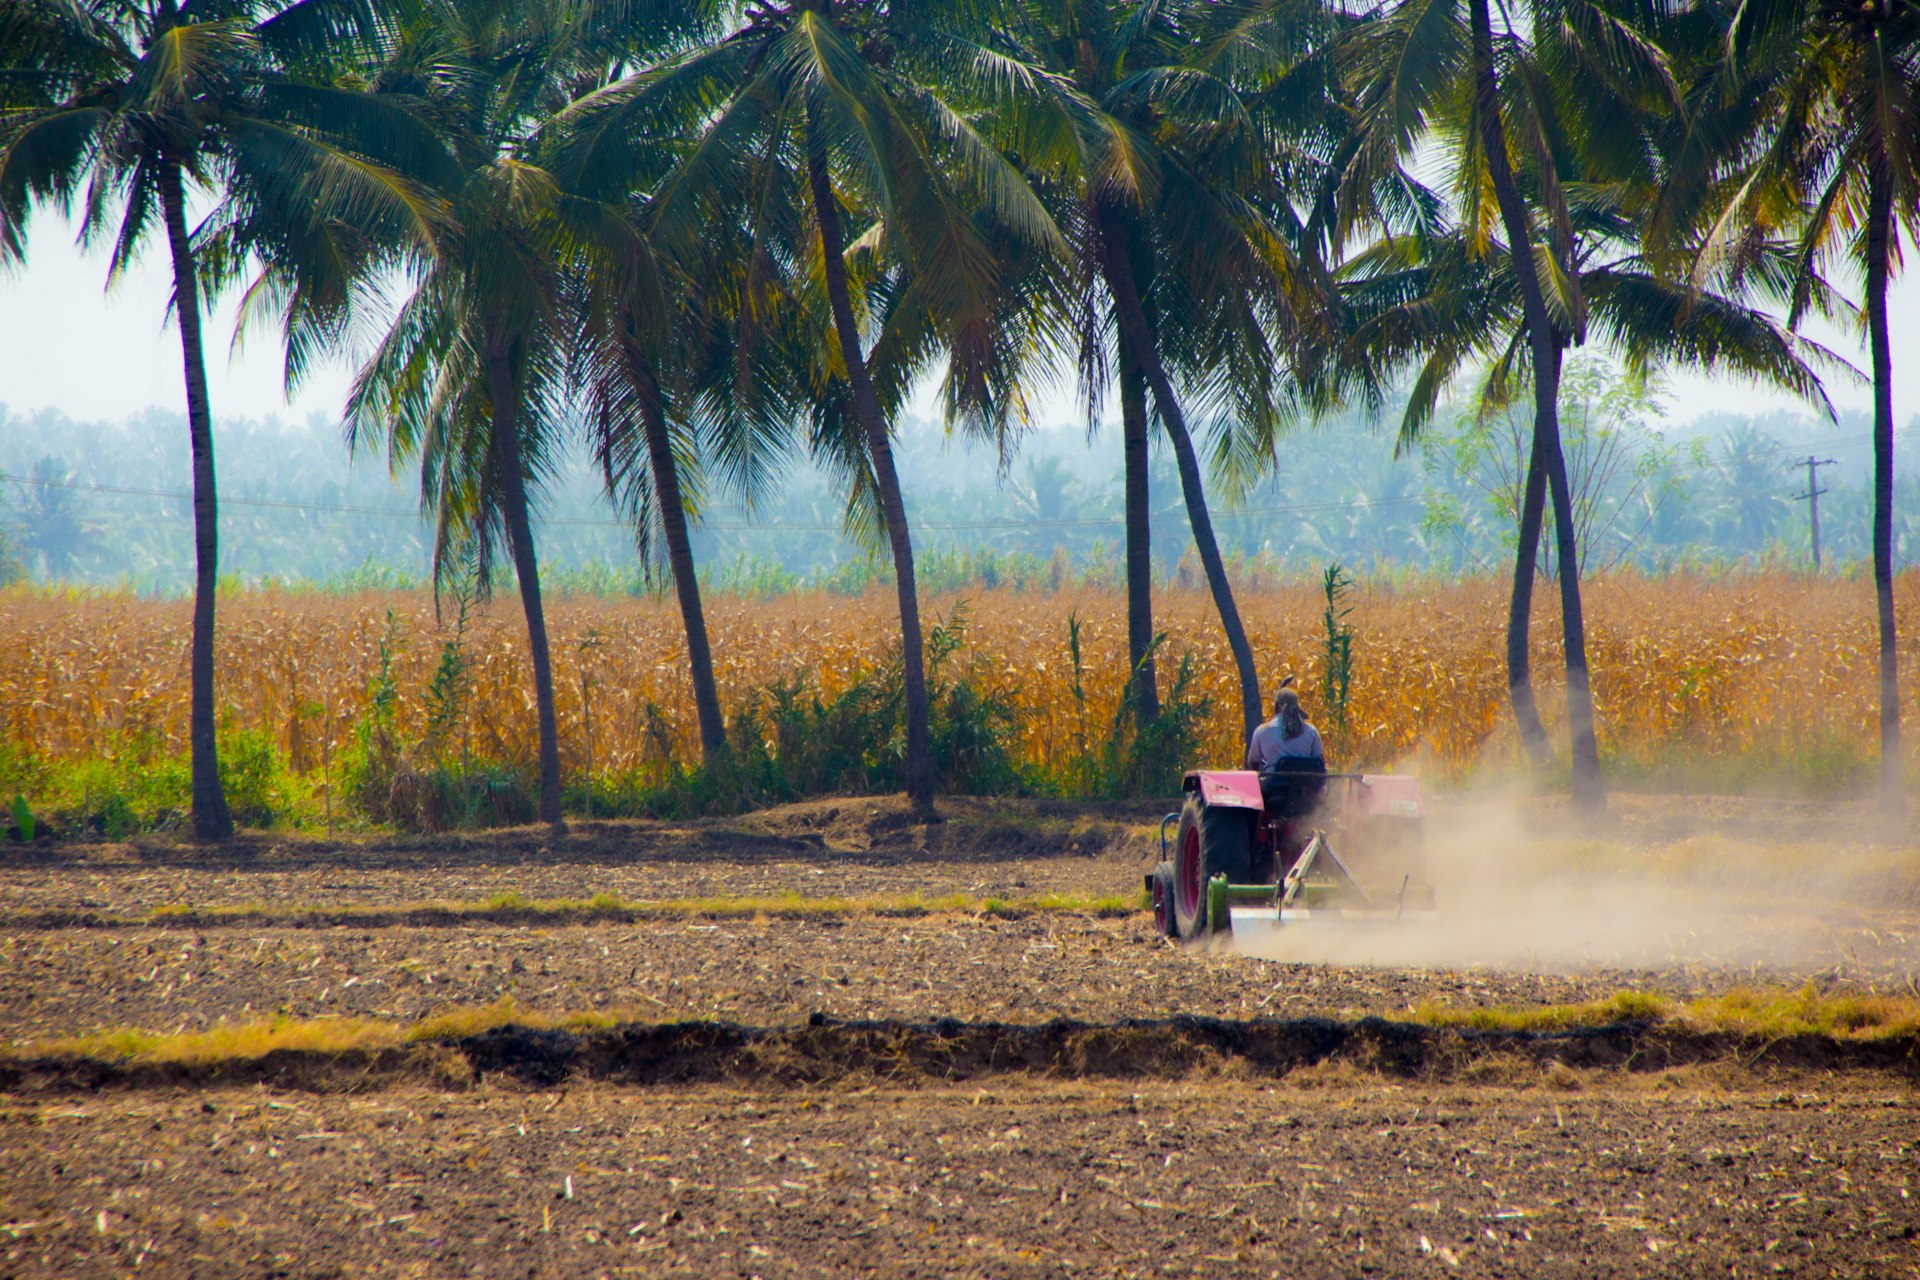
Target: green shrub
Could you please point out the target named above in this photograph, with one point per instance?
(257, 785)
(139, 785)
(1130, 759)
(21, 825)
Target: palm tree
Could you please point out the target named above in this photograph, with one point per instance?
(1181, 204)
(1838, 166)
(1134, 462)
(141, 101)
(644, 475)
(52, 524)
(1120, 239)
(671, 396)
(1442, 304)
(1754, 506)
(668, 403)
(1523, 108)
(792, 133)
(471, 378)
(1065, 59)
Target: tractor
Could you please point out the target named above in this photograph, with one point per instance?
(1288, 847)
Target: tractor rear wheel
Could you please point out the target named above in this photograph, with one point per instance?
(1162, 881)
(1214, 841)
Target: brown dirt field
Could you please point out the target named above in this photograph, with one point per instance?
(163, 977)
(1320, 1176)
(866, 846)
(1506, 1166)
(61, 981)
(828, 848)
(757, 972)
(55, 983)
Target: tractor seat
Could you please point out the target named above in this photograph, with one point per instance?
(1291, 787)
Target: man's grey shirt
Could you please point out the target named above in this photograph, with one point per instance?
(1269, 744)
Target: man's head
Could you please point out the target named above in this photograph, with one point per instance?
(1286, 709)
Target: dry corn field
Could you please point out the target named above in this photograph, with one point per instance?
(1726, 666)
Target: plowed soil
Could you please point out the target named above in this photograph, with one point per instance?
(835, 848)
(764, 973)
(59, 982)
(1330, 1177)
(1743, 1161)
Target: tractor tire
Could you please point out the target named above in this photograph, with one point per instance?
(1214, 841)
(1162, 882)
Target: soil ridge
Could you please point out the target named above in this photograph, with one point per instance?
(827, 1050)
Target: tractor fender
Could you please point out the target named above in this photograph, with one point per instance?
(1226, 788)
(1393, 796)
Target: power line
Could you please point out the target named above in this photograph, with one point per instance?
(183, 496)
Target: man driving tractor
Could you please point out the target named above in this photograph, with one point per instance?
(1288, 742)
(1281, 841)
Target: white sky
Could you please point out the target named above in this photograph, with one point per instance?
(67, 344)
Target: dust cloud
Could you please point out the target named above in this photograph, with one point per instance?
(1521, 889)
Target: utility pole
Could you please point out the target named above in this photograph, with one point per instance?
(1812, 498)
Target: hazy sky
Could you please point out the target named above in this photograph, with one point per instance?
(67, 344)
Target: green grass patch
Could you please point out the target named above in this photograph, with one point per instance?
(1623, 1006)
(1756, 1013)
(141, 785)
(1778, 1015)
(1808, 767)
(227, 1043)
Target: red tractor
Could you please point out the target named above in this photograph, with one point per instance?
(1290, 846)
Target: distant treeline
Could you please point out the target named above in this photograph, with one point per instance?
(104, 504)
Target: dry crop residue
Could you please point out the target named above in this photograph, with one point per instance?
(1331, 1176)
(57, 983)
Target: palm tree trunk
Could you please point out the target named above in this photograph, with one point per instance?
(526, 568)
(211, 818)
(1589, 789)
(1879, 248)
(1526, 560)
(686, 585)
(1136, 333)
(1133, 431)
(866, 405)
